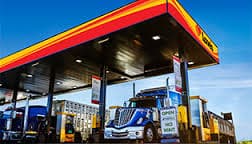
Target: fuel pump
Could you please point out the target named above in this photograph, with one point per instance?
(65, 127)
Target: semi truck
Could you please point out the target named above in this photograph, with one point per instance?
(142, 120)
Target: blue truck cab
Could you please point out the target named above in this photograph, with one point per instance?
(140, 119)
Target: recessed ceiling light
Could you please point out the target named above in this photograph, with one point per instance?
(29, 75)
(137, 42)
(156, 37)
(107, 71)
(35, 64)
(1, 84)
(58, 83)
(102, 41)
(78, 61)
(191, 63)
(122, 77)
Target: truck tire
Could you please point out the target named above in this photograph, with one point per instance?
(149, 134)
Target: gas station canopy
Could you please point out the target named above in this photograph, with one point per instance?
(134, 41)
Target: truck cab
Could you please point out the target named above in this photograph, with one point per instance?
(140, 119)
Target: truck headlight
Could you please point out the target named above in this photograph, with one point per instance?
(139, 121)
(108, 133)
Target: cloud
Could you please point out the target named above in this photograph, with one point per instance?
(222, 84)
(222, 76)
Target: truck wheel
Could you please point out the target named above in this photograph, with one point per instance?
(149, 134)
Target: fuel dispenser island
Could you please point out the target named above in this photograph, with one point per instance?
(65, 127)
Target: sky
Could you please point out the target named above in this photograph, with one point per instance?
(227, 86)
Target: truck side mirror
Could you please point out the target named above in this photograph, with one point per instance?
(125, 104)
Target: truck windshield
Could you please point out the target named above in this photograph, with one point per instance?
(143, 103)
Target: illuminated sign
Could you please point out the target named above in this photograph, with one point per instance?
(96, 88)
(204, 38)
(190, 25)
(178, 79)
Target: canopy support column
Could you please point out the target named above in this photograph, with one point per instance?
(15, 92)
(50, 98)
(185, 82)
(185, 90)
(102, 103)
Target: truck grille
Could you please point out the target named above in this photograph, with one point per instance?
(120, 134)
(123, 116)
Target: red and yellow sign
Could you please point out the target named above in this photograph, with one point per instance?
(123, 17)
(187, 22)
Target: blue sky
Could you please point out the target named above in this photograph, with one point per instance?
(227, 86)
